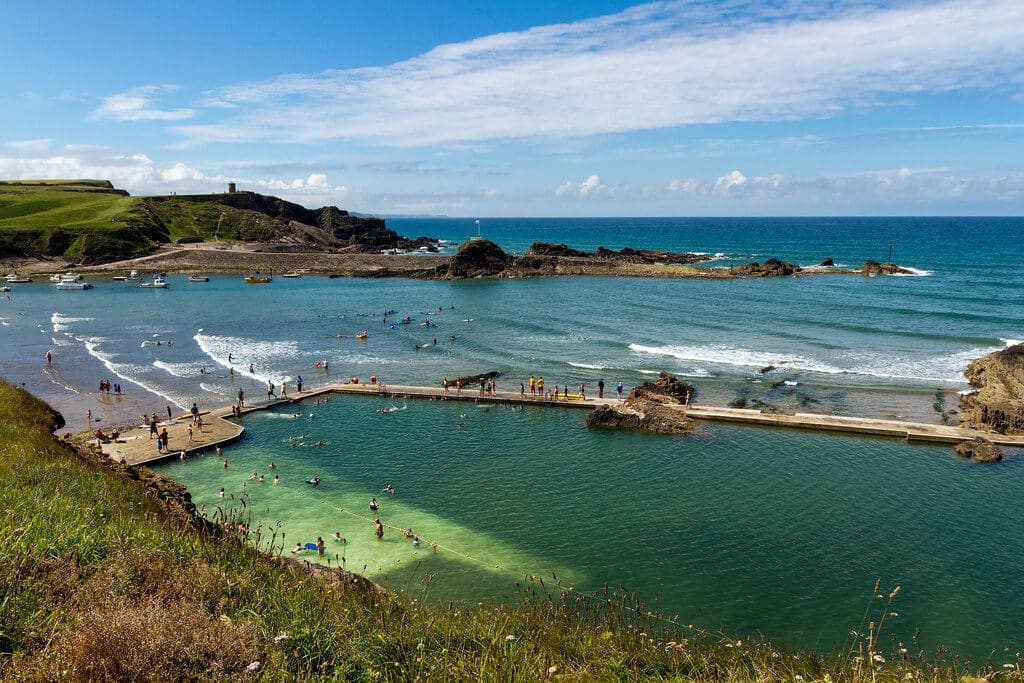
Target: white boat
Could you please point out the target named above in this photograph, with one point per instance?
(4, 288)
(134, 275)
(291, 274)
(119, 278)
(15, 280)
(198, 278)
(65, 277)
(157, 283)
(73, 284)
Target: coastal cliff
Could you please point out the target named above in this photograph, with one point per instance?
(998, 404)
(91, 222)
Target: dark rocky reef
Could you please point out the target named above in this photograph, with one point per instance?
(773, 267)
(981, 450)
(998, 405)
(471, 380)
(649, 408)
(876, 268)
(624, 255)
(827, 263)
(476, 258)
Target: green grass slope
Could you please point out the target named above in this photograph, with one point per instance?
(81, 220)
(105, 576)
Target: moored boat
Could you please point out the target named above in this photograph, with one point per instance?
(15, 280)
(72, 284)
(119, 278)
(4, 288)
(157, 283)
(134, 275)
(198, 278)
(292, 274)
(259, 279)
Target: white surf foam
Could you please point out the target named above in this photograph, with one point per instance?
(245, 352)
(60, 322)
(914, 272)
(123, 371)
(588, 366)
(187, 370)
(1011, 342)
(947, 368)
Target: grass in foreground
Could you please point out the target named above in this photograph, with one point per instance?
(99, 581)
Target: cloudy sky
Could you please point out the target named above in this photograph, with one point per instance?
(591, 108)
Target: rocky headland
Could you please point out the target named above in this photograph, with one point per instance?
(649, 408)
(998, 404)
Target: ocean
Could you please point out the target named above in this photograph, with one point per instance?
(752, 530)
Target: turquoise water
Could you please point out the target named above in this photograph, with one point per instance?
(753, 530)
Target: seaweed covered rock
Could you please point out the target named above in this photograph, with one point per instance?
(876, 268)
(773, 267)
(981, 450)
(552, 249)
(998, 405)
(651, 407)
(478, 258)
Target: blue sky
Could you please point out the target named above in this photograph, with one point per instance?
(594, 108)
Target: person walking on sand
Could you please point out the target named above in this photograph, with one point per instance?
(152, 426)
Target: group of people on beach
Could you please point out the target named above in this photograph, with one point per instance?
(106, 386)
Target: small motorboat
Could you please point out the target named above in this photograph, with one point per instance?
(293, 274)
(157, 283)
(134, 275)
(198, 278)
(15, 280)
(4, 288)
(259, 279)
(72, 284)
(119, 278)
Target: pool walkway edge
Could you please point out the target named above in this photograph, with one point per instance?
(137, 447)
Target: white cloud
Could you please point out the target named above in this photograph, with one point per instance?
(135, 105)
(734, 191)
(653, 66)
(29, 146)
(140, 175)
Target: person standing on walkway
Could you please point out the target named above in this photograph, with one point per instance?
(298, 383)
(600, 388)
(618, 390)
(533, 386)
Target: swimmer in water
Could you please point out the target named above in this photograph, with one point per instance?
(373, 504)
(389, 489)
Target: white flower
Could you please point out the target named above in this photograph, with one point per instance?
(510, 637)
(253, 666)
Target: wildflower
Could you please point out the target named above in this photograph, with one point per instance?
(552, 670)
(283, 636)
(903, 650)
(879, 658)
(19, 529)
(1008, 666)
(895, 592)
(799, 677)
(510, 637)
(253, 666)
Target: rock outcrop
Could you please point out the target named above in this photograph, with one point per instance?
(998, 405)
(624, 255)
(478, 258)
(981, 450)
(876, 268)
(773, 267)
(649, 408)
(827, 263)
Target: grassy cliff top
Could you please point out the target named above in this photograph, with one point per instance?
(105, 574)
(90, 221)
